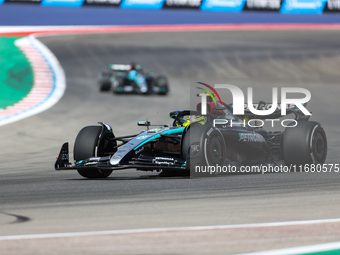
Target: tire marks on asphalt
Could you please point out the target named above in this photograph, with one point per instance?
(18, 218)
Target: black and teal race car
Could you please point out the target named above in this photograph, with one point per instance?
(195, 140)
(131, 79)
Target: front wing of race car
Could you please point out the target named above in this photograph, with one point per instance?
(103, 163)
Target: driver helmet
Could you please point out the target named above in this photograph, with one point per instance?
(185, 122)
(132, 66)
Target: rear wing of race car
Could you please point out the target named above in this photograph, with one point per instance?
(119, 67)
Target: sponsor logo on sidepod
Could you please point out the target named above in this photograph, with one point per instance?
(251, 137)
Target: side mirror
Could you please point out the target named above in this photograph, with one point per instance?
(173, 114)
(143, 123)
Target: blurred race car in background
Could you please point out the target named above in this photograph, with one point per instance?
(192, 140)
(131, 79)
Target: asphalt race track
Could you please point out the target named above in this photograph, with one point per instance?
(35, 199)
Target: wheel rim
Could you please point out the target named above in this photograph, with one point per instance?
(214, 151)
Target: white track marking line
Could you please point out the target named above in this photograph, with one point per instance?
(175, 229)
(299, 250)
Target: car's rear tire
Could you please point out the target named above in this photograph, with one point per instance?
(304, 144)
(86, 146)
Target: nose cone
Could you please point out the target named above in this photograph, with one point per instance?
(115, 159)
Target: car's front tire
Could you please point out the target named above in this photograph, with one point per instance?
(104, 81)
(162, 84)
(118, 85)
(203, 146)
(86, 146)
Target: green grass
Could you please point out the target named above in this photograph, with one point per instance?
(332, 252)
(16, 75)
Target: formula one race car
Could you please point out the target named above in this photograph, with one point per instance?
(195, 140)
(131, 79)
